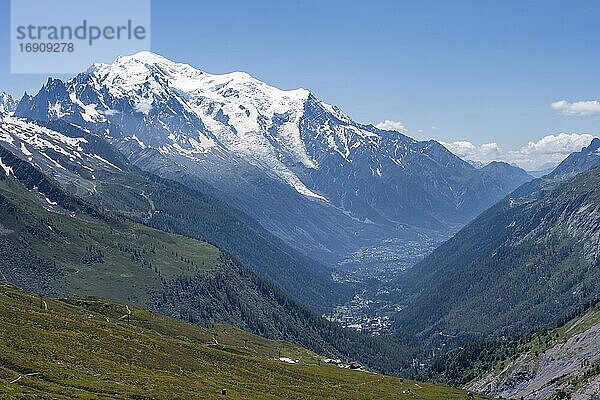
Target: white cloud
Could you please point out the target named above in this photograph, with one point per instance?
(564, 143)
(578, 108)
(389, 125)
(551, 149)
(469, 151)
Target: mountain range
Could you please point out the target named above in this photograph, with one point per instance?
(305, 170)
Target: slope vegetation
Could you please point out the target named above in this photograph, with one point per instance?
(65, 349)
(516, 267)
(56, 244)
(88, 166)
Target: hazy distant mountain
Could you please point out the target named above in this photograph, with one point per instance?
(542, 170)
(477, 164)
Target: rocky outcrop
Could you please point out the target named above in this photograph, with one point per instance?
(567, 368)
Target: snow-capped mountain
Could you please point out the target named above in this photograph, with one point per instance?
(54, 150)
(302, 167)
(7, 104)
(180, 110)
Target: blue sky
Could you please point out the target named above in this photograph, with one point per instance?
(478, 71)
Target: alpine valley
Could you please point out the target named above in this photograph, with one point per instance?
(251, 213)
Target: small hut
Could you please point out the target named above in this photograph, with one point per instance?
(355, 365)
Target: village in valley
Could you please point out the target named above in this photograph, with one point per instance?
(365, 315)
(371, 270)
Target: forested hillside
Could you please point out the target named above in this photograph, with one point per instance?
(516, 267)
(91, 168)
(56, 244)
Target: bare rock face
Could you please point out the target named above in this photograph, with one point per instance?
(590, 391)
(519, 379)
(7, 103)
(566, 369)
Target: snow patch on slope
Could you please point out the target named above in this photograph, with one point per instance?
(90, 113)
(7, 170)
(25, 150)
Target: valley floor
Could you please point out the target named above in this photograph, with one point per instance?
(371, 269)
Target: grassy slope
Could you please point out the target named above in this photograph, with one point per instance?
(79, 349)
(84, 255)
